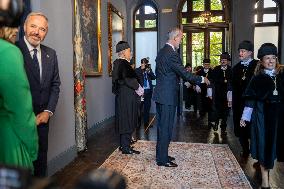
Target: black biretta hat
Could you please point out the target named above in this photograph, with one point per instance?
(122, 45)
(247, 45)
(225, 55)
(266, 49)
(206, 61)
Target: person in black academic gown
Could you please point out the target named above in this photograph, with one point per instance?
(222, 92)
(127, 90)
(264, 99)
(241, 75)
(206, 103)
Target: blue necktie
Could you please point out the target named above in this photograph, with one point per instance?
(36, 63)
(145, 80)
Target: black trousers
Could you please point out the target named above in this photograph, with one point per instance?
(40, 165)
(147, 106)
(165, 122)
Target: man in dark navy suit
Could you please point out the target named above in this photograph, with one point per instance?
(42, 70)
(168, 70)
(145, 76)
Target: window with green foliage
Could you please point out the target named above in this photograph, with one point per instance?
(150, 23)
(184, 40)
(198, 5)
(198, 20)
(216, 19)
(184, 21)
(216, 39)
(146, 17)
(216, 5)
(205, 39)
(197, 49)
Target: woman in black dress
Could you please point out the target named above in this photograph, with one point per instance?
(264, 100)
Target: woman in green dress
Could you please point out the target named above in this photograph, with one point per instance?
(18, 134)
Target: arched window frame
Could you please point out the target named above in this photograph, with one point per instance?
(143, 29)
(277, 10)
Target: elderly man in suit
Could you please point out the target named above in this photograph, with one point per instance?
(42, 70)
(168, 70)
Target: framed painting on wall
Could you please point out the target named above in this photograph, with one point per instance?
(115, 33)
(88, 15)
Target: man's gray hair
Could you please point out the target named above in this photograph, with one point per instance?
(36, 14)
(174, 32)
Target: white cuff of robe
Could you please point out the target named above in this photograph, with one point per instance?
(209, 92)
(229, 96)
(202, 80)
(187, 84)
(139, 91)
(247, 113)
(50, 112)
(197, 89)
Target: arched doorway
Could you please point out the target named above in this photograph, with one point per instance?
(206, 30)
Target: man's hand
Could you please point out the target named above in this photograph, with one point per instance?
(242, 123)
(42, 117)
(206, 81)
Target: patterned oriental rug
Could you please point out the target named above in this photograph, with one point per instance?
(200, 166)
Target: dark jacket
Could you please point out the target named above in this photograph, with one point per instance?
(168, 70)
(140, 75)
(45, 94)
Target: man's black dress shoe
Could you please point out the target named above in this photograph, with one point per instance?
(120, 148)
(130, 151)
(168, 164)
(171, 158)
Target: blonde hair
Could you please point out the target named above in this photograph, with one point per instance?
(6, 32)
(259, 67)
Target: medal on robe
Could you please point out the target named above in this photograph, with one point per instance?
(275, 92)
(225, 81)
(244, 77)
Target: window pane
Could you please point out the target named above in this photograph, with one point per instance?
(197, 49)
(256, 5)
(255, 18)
(183, 43)
(150, 23)
(260, 37)
(198, 5)
(149, 10)
(215, 47)
(184, 21)
(184, 8)
(217, 19)
(216, 5)
(198, 20)
(269, 18)
(138, 12)
(269, 3)
(137, 24)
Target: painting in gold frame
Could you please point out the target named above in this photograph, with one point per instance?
(89, 20)
(115, 33)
